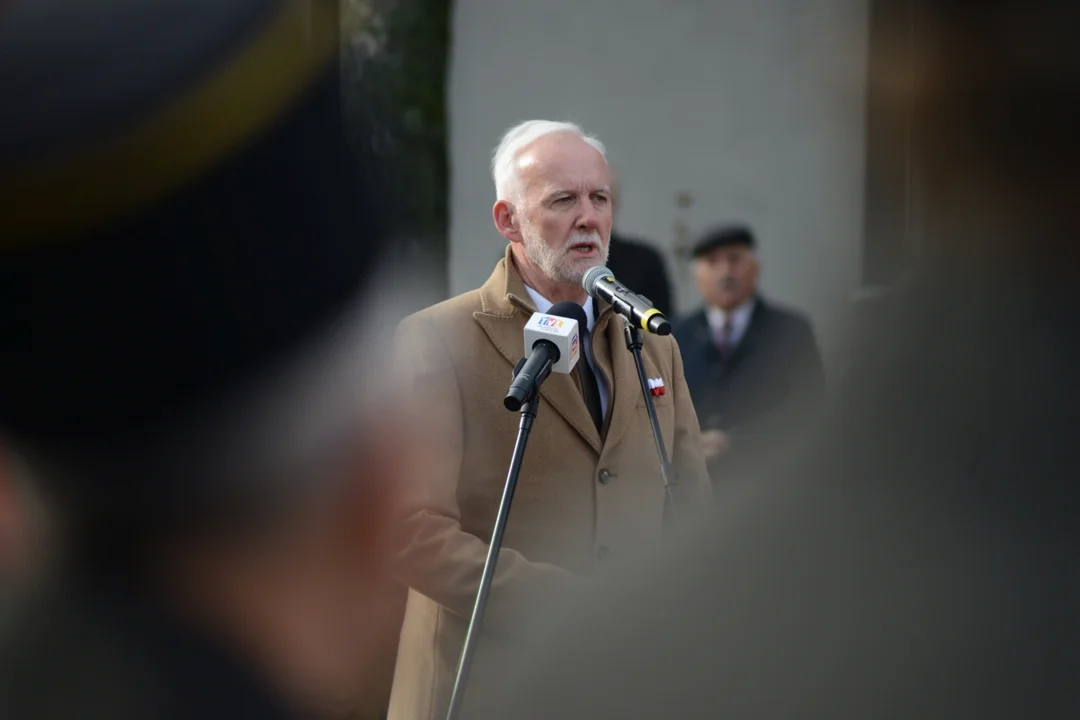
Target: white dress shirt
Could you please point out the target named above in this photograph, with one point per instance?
(543, 305)
(740, 320)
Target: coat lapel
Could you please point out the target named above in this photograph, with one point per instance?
(703, 345)
(618, 365)
(506, 308)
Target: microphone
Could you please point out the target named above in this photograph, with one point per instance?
(552, 344)
(600, 283)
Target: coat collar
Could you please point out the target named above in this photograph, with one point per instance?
(506, 306)
(503, 295)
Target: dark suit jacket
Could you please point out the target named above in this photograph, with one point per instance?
(768, 389)
(642, 269)
(773, 372)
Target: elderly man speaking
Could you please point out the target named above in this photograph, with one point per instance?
(590, 495)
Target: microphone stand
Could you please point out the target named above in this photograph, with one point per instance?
(634, 344)
(528, 414)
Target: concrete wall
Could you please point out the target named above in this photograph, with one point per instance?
(753, 110)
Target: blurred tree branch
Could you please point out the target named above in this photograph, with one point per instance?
(394, 59)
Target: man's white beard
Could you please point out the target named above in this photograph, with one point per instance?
(555, 262)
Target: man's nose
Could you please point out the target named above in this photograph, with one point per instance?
(589, 219)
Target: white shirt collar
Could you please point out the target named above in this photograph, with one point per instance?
(543, 305)
(740, 318)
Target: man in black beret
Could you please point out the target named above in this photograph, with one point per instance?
(188, 381)
(752, 366)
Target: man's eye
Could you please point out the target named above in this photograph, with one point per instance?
(564, 200)
(600, 198)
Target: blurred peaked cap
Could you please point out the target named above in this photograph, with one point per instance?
(179, 209)
(723, 236)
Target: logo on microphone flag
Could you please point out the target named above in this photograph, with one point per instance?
(550, 321)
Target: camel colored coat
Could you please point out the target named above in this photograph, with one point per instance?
(584, 503)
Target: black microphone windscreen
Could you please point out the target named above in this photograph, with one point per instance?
(571, 311)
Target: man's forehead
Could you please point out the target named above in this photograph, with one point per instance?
(554, 177)
(566, 159)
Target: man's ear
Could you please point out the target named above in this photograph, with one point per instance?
(506, 221)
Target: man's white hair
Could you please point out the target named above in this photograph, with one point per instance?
(504, 169)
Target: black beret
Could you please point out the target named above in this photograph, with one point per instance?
(724, 236)
(179, 208)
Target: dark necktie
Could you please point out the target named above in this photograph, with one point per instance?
(591, 389)
(723, 339)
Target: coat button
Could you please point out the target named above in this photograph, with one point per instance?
(605, 476)
(603, 552)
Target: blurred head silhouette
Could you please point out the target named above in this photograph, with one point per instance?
(189, 380)
(993, 106)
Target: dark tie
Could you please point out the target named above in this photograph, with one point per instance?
(723, 339)
(590, 389)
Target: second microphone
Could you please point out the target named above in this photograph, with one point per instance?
(552, 344)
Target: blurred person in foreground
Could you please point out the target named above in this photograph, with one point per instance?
(752, 365)
(921, 560)
(13, 530)
(186, 377)
(590, 495)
